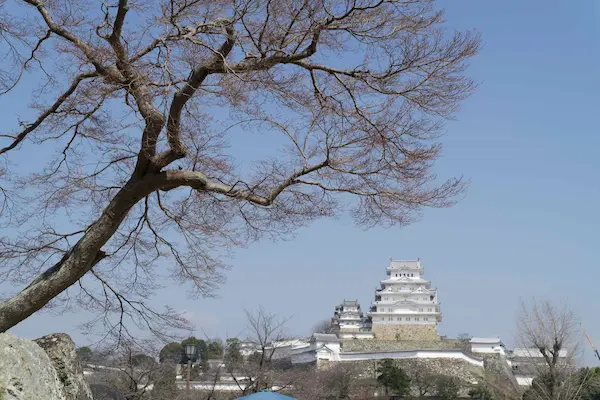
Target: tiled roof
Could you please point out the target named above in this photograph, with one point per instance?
(325, 337)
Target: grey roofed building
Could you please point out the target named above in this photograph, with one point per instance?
(325, 337)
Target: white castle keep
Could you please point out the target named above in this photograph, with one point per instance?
(402, 325)
(349, 322)
(406, 307)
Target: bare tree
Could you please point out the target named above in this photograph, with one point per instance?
(140, 106)
(422, 377)
(340, 382)
(263, 369)
(494, 386)
(134, 370)
(550, 348)
(323, 326)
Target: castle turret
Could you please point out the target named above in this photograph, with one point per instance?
(406, 306)
(348, 321)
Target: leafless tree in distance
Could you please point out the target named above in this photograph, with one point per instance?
(323, 326)
(162, 134)
(133, 369)
(339, 381)
(422, 377)
(263, 369)
(549, 335)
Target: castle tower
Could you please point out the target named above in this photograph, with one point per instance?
(405, 307)
(348, 321)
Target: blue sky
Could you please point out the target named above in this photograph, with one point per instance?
(528, 226)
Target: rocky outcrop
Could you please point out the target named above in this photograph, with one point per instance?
(60, 349)
(26, 371)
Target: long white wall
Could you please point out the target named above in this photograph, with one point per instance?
(404, 354)
(311, 354)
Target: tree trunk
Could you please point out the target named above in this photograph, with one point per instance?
(80, 259)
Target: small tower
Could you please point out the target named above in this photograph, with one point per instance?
(405, 306)
(348, 321)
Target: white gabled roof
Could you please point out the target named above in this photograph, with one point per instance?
(533, 352)
(495, 340)
(405, 264)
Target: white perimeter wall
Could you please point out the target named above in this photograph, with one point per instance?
(411, 354)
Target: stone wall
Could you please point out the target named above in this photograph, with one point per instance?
(357, 345)
(498, 365)
(405, 332)
(467, 373)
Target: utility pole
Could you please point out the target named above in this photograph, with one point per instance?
(590, 340)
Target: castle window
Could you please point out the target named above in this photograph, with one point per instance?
(426, 319)
(411, 275)
(390, 319)
(416, 318)
(408, 318)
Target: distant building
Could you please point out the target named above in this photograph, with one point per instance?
(406, 307)
(247, 348)
(320, 347)
(348, 321)
(487, 345)
(527, 363)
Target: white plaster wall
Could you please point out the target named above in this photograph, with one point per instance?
(524, 380)
(357, 335)
(487, 348)
(411, 354)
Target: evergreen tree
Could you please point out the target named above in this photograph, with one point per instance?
(393, 378)
(85, 354)
(172, 353)
(590, 378)
(201, 349)
(480, 392)
(215, 350)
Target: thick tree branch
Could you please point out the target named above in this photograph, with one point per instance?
(198, 75)
(199, 181)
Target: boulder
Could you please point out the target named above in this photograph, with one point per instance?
(104, 392)
(61, 350)
(26, 371)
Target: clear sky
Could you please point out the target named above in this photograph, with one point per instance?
(529, 142)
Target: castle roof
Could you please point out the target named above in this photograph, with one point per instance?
(325, 337)
(405, 264)
(495, 340)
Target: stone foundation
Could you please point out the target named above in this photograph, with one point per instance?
(405, 332)
(462, 370)
(358, 346)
